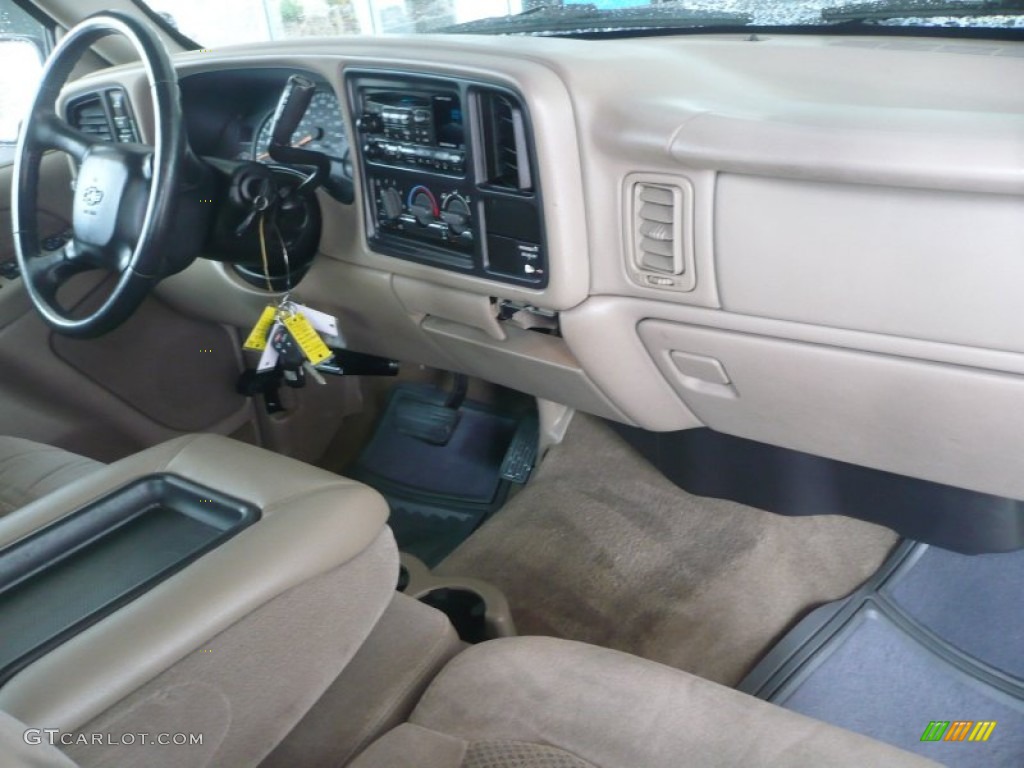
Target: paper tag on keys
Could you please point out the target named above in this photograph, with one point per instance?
(311, 324)
(270, 355)
(307, 338)
(324, 324)
(257, 340)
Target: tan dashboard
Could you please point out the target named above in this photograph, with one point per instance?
(817, 242)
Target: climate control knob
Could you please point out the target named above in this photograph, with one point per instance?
(456, 215)
(391, 201)
(423, 206)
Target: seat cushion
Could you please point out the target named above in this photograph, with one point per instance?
(378, 690)
(26, 747)
(547, 703)
(30, 470)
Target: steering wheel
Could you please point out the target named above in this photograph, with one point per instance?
(137, 209)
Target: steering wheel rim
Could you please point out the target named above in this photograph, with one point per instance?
(115, 184)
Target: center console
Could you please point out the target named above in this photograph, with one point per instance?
(449, 175)
(141, 593)
(65, 577)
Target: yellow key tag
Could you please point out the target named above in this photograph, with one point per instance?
(257, 340)
(307, 338)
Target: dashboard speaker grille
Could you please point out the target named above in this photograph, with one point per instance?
(658, 228)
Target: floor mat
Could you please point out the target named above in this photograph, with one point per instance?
(934, 637)
(438, 494)
(601, 547)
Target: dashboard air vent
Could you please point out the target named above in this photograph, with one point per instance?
(90, 117)
(507, 152)
(105, 115)
(658, 227)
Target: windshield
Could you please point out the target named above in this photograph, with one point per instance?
(225, 22)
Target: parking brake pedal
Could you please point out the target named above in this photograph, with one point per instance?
(432, 422)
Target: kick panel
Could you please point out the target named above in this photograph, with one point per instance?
(448, 176)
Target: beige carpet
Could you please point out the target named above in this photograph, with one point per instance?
(600, 547)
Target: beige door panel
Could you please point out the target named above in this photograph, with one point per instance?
(148, 381)
(55, 206)
(160, 375)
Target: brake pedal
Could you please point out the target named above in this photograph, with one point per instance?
(430, 422)
(434, 424)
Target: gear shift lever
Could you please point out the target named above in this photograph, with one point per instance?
(295, 100)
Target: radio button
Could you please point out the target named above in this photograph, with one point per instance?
(370, 123)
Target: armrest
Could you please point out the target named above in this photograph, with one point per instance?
(312, 522)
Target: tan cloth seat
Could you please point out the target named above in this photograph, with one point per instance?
(24, 747)
(31, 470)
(547, 703)
(516, 703)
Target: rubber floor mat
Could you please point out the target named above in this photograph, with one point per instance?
(438, 494)
(928, 656)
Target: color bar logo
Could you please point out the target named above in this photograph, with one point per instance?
(958, 730)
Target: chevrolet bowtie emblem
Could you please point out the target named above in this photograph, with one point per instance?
(93, 196)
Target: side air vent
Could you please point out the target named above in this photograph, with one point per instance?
(506, 146)
(90, 116)
(660, 223)
(105, 115)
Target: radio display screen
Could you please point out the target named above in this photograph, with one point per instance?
(448, 121)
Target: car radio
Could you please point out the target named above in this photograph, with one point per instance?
(415, 130)
(448, 175)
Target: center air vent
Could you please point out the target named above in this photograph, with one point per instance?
(660, 223)
(506, 147)
(104, 115)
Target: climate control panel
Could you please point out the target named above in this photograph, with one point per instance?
(432, 213)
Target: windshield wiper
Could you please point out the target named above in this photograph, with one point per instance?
(915, 9)
(585, 17)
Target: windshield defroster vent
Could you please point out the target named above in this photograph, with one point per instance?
(660, 226)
